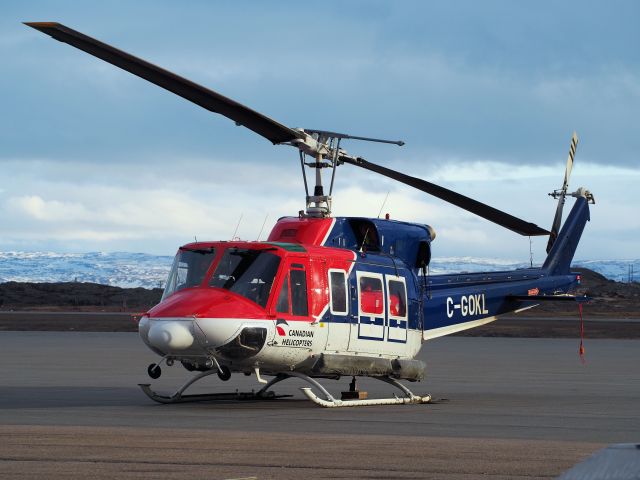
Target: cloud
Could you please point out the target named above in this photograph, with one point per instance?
(612, 84)
(160, 209)
(48, 211)
(486, 97)
(157, 209)
(480, 87)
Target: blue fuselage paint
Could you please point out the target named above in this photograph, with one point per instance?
(445, 300)
(437, 301)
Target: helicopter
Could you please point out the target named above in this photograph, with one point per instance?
(328, 297)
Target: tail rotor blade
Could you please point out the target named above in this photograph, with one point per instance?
(570, 158)
(485, 211)
(561, 194)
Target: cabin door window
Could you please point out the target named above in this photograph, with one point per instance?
(371, 306)
(397, 309)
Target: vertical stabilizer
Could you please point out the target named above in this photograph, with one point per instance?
(558, 261)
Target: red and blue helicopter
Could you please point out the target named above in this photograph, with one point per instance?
(325, 297)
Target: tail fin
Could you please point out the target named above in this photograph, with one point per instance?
(558, 261)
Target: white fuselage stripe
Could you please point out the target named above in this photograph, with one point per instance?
(458, 327)
(326, 236)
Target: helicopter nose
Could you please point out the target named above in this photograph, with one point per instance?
(170, 336)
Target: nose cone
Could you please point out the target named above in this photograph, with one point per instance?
(168, 336)
(206, 303)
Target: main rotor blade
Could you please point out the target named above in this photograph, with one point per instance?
(485, 211)
(212, 101)
(557, 219)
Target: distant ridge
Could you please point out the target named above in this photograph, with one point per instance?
(130, 270)
(118, 269)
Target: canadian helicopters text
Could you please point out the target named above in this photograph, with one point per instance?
(326, 297)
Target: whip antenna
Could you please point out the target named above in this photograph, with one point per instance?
(237, 226)
(262, 228)
(385, 201)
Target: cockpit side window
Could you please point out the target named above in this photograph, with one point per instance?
(283, 297)
(299, 302)
(292, 298)
(247, 272)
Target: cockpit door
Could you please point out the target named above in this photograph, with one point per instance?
(292, 300)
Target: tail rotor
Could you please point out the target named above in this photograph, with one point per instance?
(561, 193)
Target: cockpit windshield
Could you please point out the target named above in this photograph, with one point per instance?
(247, 272)
(188, 270)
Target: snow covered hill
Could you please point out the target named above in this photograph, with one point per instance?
(120, 269)
(125, 269)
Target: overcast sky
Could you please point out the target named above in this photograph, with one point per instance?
(485, 94)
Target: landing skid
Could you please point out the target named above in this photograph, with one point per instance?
(264, 394)
(331, 402)
(179, 397)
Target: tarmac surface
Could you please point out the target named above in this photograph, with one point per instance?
(505, 408)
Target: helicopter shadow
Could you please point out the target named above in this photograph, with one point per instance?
(20, 398)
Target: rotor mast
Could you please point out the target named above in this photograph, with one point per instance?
(324, 147)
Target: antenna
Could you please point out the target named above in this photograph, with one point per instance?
(364, 240)
(385, 201)
(262, 228)
(237, 226)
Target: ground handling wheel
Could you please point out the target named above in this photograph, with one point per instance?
(154, 371)
(224, 373)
